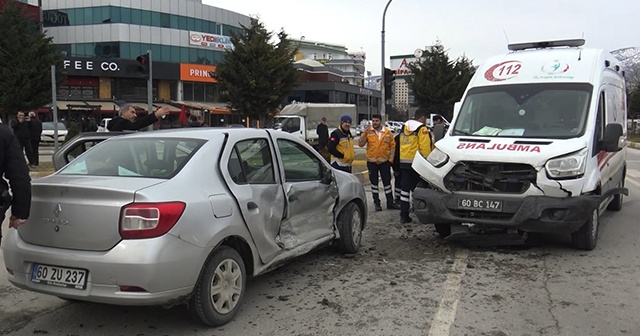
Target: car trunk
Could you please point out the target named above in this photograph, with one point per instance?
(79, 213)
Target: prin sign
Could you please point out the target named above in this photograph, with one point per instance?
(401, 65)
(219, 42)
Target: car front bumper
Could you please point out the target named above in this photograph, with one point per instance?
(528, 213)
(166, 268)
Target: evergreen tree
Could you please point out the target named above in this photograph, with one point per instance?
(26, 56)
(634, 101)
(439, 82)
(257, 75)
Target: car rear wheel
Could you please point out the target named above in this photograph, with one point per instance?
(220, 288)
(350, 226)
(586, 237)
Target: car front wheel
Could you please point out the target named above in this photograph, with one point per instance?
(350, 225)
(220, 288)
(586, 237)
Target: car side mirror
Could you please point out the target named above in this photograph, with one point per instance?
(328, 177)
(614, 140)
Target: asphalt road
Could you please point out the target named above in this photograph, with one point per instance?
(406, 281)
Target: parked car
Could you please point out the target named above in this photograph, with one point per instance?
(47, 134)
(181, 215)
(102, 127)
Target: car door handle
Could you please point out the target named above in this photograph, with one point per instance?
(293, 198)
(252, 206)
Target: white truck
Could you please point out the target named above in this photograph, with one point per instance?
(303, 118)
(535, 145)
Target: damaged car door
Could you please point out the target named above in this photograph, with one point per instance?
(310, 192)
(256, 187)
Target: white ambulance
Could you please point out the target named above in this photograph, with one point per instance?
(535, 145)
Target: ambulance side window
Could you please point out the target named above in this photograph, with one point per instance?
(599, 129)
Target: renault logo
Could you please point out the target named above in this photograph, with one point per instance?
(57, 210)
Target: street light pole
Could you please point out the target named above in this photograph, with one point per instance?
(384, 101)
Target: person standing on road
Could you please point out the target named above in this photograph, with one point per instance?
(13, 169)
(340, 146)
(414, 138)
(36, 132)
(323, 138)
(22, 131)
(380, 151)
(127, 119)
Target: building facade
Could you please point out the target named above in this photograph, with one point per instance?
(101, 39)
(350, 64)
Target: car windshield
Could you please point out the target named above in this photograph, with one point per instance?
(48, 126)
(529, 110)
(147, 157)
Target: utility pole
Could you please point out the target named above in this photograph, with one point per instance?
(150, 87)
(384, 102)
(54, 99)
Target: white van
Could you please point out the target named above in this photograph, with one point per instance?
(535, 145)
(102, 127)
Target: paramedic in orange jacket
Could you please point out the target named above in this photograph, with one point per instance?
(414, 138)
(380, 152)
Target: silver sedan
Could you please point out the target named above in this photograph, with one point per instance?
(165, 217)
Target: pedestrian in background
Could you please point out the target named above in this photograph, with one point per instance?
(193, 121)
(14, 170)
(380, 152)
(340, 146)
(127, 119)
(22, 131)
(414, 138)
(36, 132)
(323, 138)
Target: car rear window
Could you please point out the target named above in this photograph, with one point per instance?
(142, 157)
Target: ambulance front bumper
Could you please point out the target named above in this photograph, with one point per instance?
(528, 213)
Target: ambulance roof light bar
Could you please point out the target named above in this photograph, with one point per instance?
(546, 44)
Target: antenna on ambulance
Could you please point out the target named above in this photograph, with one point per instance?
(505, 35)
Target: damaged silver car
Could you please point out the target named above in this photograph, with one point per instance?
(189, 215)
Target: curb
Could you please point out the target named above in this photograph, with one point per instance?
(633, 145)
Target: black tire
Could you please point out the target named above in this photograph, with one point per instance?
(223, 268)
(586, 238)
(616, 202)
(350, 226)
(443, 230)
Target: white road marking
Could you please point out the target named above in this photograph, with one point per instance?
(634, 182)
(446, 315)
(633, 173)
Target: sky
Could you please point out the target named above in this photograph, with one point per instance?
(477, 29)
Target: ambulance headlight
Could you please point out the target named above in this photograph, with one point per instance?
(437, 158)
(571, 165)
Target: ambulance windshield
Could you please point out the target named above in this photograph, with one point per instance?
(545, 110)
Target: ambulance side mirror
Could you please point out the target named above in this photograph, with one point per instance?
(614, 140)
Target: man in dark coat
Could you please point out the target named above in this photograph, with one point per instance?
(22, 130)
(36, 131)
(127, 119)
(323, 138)
(14, 169)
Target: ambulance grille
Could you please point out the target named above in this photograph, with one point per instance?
(487, 177)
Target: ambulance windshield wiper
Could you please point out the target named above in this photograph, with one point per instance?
(459, 132)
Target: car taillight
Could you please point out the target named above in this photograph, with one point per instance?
(149, 220)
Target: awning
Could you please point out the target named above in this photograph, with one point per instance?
(215, 108)
(64, 105)
(172, 108)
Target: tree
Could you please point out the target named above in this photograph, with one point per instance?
(438, 82)
(256, 76)
(634, 101)
(26, 56)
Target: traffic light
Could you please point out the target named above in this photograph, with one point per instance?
(388, 81)
(143, 66)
